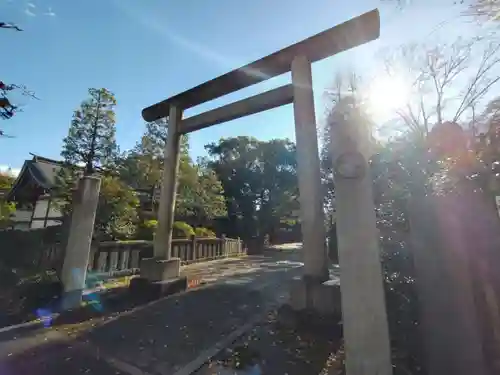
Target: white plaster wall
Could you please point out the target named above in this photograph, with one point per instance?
(40, 209)
(22, 215)
(54, 210)
(39, 213)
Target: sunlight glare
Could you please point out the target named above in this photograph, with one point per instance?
(386, 95)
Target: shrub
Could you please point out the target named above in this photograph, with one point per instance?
(24, 250)
(182, 229)
(204, 232)
(146, 230)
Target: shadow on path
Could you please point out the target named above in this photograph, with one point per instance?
(157, 339)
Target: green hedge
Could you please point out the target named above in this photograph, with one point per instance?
(182, 229)
(204, 232)
(146, 230)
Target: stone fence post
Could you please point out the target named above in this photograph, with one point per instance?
(193, 247)
(224, 246)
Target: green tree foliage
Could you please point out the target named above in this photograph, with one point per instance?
(6, 208)
(6, 180)
(199, 192)
(116, 216)
(142, 166)
(117, 210)
(259, 181)
(91, 137)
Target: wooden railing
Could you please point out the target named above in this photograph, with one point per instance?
(123, 257)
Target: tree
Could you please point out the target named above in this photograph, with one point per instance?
(90, 148)
(142, 167)
(489, 9)
(117, 210)
(6, 208)
(6, 180)
(448, 82)
(9, 25)
(116, 216)
(7, 108)
(199, 193)
(91, 136)
(345, 98)
(259, 181)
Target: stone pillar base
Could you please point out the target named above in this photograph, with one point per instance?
(321, 297)
(159, 278)
(154, 269)
(144, 290)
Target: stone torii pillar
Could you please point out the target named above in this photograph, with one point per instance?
(311, 197)
(366, 333)
(166, 209)
(162, 266)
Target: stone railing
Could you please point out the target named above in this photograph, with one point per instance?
(123, 257)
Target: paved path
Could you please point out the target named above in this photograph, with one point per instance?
(163, 337)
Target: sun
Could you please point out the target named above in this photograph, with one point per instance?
(386, 95)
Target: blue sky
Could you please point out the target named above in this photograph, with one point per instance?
(145, 51)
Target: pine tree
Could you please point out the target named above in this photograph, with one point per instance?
(91, 136)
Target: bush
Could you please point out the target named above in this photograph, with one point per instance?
(23, 250)
(182, 229)
(204, 232)
(146, 230)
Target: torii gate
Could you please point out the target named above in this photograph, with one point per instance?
(364, 315)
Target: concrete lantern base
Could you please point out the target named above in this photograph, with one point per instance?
(321, 297)
(154, 269)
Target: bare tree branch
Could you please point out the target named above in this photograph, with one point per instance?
(9, 25)
(437, 73)
(485, 9)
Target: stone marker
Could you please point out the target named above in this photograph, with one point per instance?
(366, 334)
(77, 254)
